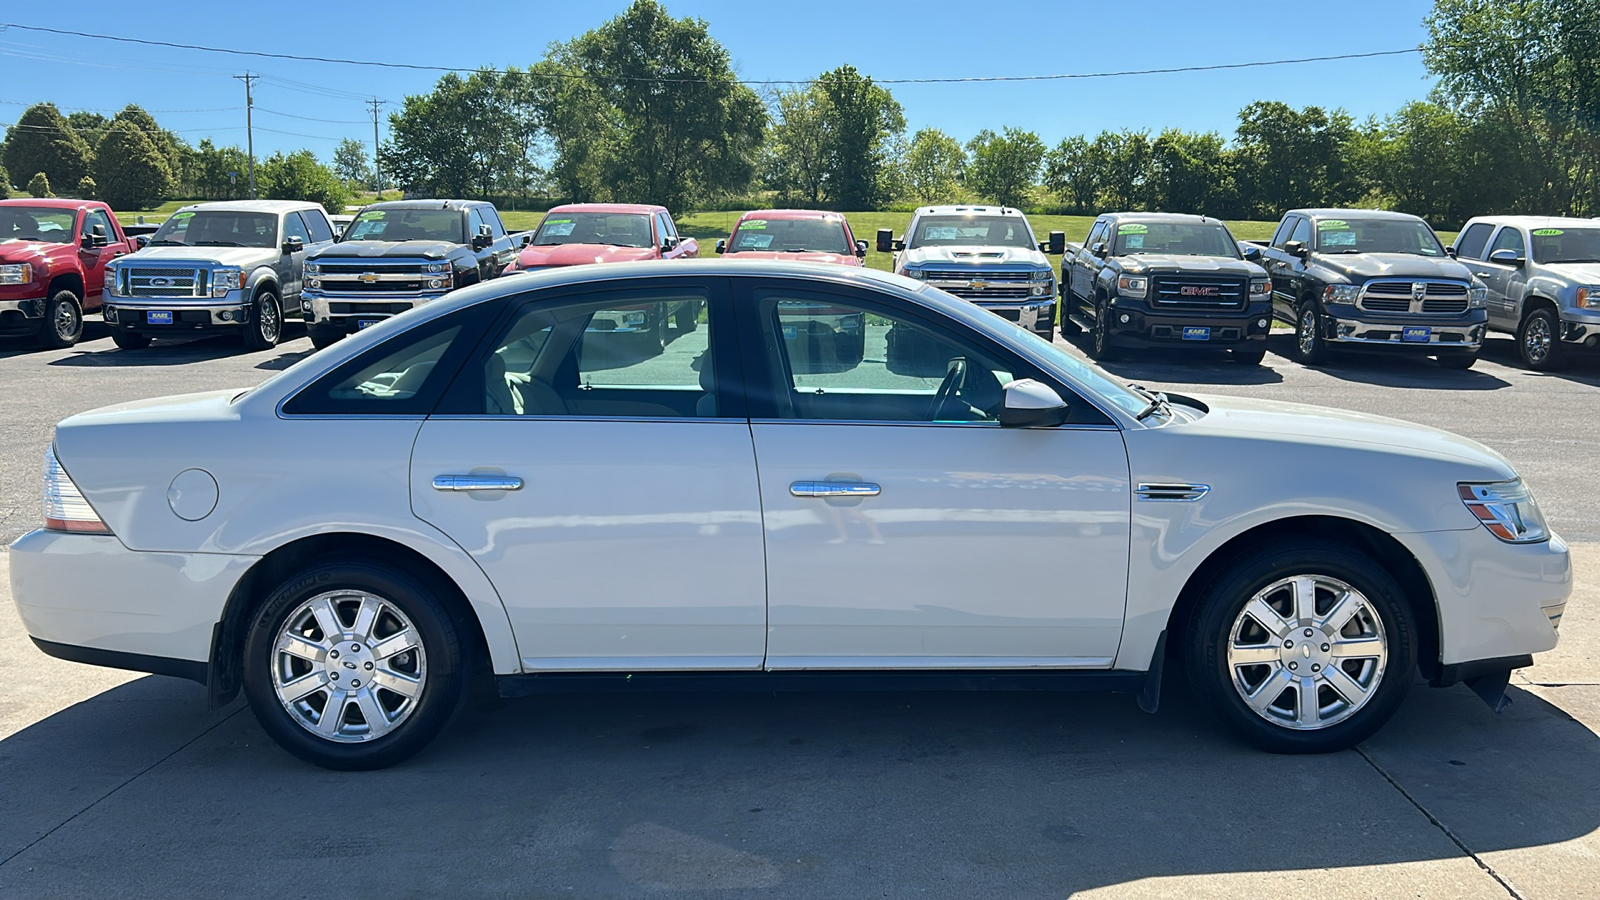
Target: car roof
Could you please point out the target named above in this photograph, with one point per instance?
(424, 204)
(1157, 217)
(968, 210)
(636, 208)
(273, 206)
(49, 202)
(1536, 221)
(1337, 213)
(780, 214)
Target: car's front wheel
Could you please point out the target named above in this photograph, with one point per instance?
(265, 327)
(1539, 341)
(1309, 346)
(63, 321)
(354, 665)
(324, 336)
(1302, 648)
(130, 340)
(1247, 356)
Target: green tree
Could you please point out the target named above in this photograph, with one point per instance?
(1004, 166)
(5, 183)
(39, 185)
(1190, 172)
(933, 167)
(43, 141)
(1287, 158)
(132, 172)
(172, 149)
(91, 126)
(464, 138)
(220, 173)
(797, 151)
(862, 120)
(1073, 172)
(299, 176)
(1124, 160)
(350, 163)
(87, 189)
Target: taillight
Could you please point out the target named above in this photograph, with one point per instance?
(64, 506)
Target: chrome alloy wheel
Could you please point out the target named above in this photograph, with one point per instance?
(1308, 331)
(349, 666)
(1536, 339)
(65, 322)
(1307, 652)
(268, 322)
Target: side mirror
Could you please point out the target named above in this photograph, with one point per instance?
(1450, 251)
(483, 238)
(1506, 257)
(885, 240)
(1057, 245)
(1100, 249)
(142, 241)
(97, 236)
(1252, 253)
(722, 245)
(861, 249)
(1296, 249)
(293, 245)
(667, 244)
(1032, 404)
(527, 238)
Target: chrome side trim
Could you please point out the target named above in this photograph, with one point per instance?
(1172, 493)
(834, 489)
(477, 483)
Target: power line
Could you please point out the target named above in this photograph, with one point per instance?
(762, 83)
(96, 109)
(311, 119)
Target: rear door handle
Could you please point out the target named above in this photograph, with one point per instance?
(834, 489)
(477, 483)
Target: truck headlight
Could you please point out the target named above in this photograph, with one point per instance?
(1260, 288)
(1041, 275)
(225, 280)
(1132, 285)
(311, 269)
(17, 274)
(918, 274)
(1507, 509)
(438, 268)
(1478, 295)
(1588, 297)
(1341, 293)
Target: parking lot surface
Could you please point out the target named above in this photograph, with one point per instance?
(114, 784)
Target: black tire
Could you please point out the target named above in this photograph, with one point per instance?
(1309, 346)
(63, 321)
(442, 667)
(1069, 328)
(1247, 357)
(1462, 360)
(1210, 631)
(687, 318)
(1539, 339)
(324, 336)
(130, 340)
(1100, 346)
(265, 327)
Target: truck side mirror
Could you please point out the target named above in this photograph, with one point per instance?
(483, 238)
(1296, 249)
(1252, 253)
(141, 241)
(293, 245)
(1057, 245)
(722, 245)
(861, 249)
(885, 240)
(1100, 249)
(1506, 257)
(1450, 251)
(1031, 404)
(527, 238)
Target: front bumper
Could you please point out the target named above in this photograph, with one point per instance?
(1149, 327)
(1578, 329)
(349, 310)
(21, 315)
(188, 314)
(1034, 315)
(88, 597)
(1347, 325)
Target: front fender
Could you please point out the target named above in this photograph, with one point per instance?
(263, 275)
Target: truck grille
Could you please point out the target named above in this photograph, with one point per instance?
(979, 284)
(360, 277)
(1395, 296)
(167, 282)
(1199, 292)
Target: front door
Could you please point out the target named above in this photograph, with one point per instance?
(1504, 280)
(605, 481)
(904, 527)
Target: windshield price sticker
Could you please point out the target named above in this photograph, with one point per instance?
(1548, 232)
(1333, 225)
(753, 224)
(1339, 239)
(1135, 242)
(1133, 229)
(755, 241)
(558, 229)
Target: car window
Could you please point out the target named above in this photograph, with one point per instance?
(635, 355)
(838, 361)
(1302, 232)
(1509, 238)
(1470, 244)
(317, 224)
(1174, 239)
(404, 375)
(664, 222)
(790, 235)
(491, 217)
(615, 229)
(98, 217)
(1566, 245)
(474, 222)
(217, 228)
(1281, 236)
(293, 227)
(971, 230)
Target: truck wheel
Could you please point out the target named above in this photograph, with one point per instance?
(265, 327)
(350, 664)
(63, 321)
(1463, 360)
(1069, 328)
(1302, 647)
(1309, 347)
(1100, 334)
(687, 318)
(130, 340)
(1245, 357)
(324, 336)
(1539, 339)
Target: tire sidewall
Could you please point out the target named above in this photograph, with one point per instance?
(1316, 352)
(1211, 626)
(255, 335)
(48, 334)
(1550, 357)
(445, 651)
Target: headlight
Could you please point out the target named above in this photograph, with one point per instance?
(1132, 285)
(1507, 510)
(438, 268)
(1260, 288)
(115, 281)
(1477, 295)
(1588, 297)
(436, 284)
(225, 280)
(915, 273)
(1042, 275)
(18, 274)
(1341, 293)
(312, 269)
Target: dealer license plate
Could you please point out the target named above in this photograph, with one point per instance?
(158, 317)
(1196, 333)
(1416, 334)
(366, 323)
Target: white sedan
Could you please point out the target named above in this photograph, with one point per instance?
(515, 480)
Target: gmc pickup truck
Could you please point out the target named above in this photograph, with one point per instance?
(1543, 276)
(1165, 280)
(397, 255)
(1371, 279)
(53, 259)
(233, 266)
(984, 254)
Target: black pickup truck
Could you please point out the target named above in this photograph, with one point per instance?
(1165, 280)
(1372, 279)
(397, 255)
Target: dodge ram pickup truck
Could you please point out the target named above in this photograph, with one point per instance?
(53, 259)
(1165, 280)
(1372, 279)
(229, 266)
(397, 255)
(984, 254)
(1543, 276)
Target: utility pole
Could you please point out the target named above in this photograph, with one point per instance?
(249, 127)
(377, 170)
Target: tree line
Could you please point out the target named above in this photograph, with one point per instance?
(649, 108)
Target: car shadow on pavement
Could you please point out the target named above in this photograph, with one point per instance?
(176, 351)
(809, 794)
(1184, 366)
(1388, 370)
(1582, 367)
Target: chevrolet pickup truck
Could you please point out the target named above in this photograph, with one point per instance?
(232, 266)
(1165, 280)
(397, 255)
(53, 259)
(984, 254)
(1364, 279)
(1543, 276)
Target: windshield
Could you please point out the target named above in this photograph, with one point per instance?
(1566, 245)
(615, 229)
(1175, 239)
(825, 235)
(36, 223)
(982, 231)
(1377, 236)
(218, 228)
(401, 225)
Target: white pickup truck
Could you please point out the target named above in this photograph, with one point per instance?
(1543, 276)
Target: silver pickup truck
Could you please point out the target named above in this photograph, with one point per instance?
(1544, 281)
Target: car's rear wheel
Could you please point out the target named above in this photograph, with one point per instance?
(265, 327)
(1302, 648)
(324, 336)
(63, 321)
(130, 340)
(1539, 339)
(354, 665)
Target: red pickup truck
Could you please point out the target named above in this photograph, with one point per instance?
(53, 257)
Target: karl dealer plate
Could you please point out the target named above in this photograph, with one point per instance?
(158, 317)
(365, 323)
(1196, 333)
(1416, 333)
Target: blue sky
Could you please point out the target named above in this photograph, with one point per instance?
(192, 92)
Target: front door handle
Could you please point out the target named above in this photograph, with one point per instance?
(477, 483)
(834, 489)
